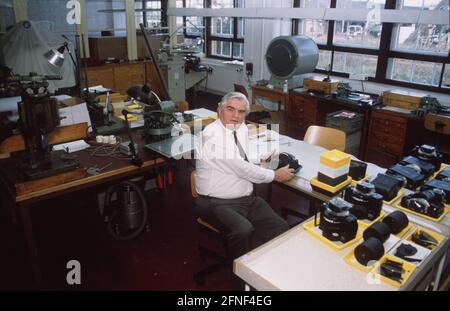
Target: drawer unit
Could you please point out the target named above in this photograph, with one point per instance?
(386, 138)
(302, 112)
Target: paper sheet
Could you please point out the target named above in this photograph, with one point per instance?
(203, 113)
(74, 115)
(72, 146)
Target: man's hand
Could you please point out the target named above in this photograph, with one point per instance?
(284, 174)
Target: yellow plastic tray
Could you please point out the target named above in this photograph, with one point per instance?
(422, 215)
(327, 189)
(350, 256)
(354, 182)
(408, 267)
(443, 167)
(351, 260)
(399, 194)
(366, 222)
(404, 231)
(435, 235)
(336, 245)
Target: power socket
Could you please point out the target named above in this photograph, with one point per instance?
(249, 69)
(124, 148)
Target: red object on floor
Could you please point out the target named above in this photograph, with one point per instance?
(160, 181)
(170, 176)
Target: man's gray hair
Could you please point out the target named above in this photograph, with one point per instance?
(236, 95)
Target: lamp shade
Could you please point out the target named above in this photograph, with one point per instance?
(55, 57)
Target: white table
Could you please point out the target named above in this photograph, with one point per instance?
(296, 260)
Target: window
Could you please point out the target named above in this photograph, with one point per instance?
(357, 34)
(225, 34)
(192, 27)
(414, 71)
(422, 38)
(313, 28)
(446, 78)
(418, 53)
(102, 16)
(353, 63)
(324, 59)
(152, 13)
(410, 55)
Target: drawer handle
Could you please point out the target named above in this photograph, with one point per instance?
(386, 122)
(301, 110)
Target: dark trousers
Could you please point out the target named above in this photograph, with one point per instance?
(245, 222)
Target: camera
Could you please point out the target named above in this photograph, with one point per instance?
(428, 154)
(387, 185)
(336, 221)
(366, 202)
(411, 175)
(428, 202)
(425, 168)
(438, 184)
(285, 158)
(444, 176)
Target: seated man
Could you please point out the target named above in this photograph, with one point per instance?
(225, 177)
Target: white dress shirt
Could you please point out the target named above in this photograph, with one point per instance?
(221, 171)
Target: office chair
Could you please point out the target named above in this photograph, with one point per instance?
(209, 235)
(241, 89)
(328, 138)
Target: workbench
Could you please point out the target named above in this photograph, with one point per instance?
(18, 206)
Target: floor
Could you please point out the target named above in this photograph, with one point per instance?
(164, 258)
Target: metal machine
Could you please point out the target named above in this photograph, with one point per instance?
(288, 57)
(38, 118)
(183, 68)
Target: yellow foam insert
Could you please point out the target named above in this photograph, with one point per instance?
(334, 158)
(134, 106)
(130, 118)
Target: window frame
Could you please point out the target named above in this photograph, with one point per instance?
(384, 53)
(234, 39)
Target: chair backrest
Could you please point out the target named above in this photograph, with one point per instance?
(241, 89)
(326, 137)
(193, 190)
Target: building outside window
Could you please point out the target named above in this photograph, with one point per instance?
(410, 55)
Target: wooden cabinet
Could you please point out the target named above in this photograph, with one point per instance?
(126, 76)
(119, 77)
(103, 75)
(302, 112)
(386, 138)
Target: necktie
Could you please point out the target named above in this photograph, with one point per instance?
(241, 150)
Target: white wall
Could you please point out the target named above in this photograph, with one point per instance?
(258, 34)
(223, 76)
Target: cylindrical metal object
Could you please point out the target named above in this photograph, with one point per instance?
(287, 56)
(130, 210)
